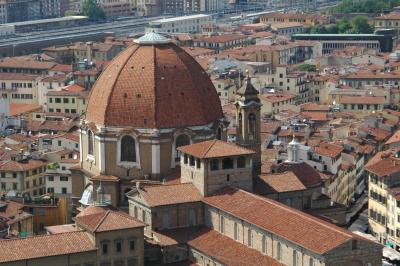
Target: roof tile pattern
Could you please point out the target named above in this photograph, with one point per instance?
(108, 220)
(295, 226)
(228, 251)
(45, 246)
(214, 149)
(153, 86)
(170, 194)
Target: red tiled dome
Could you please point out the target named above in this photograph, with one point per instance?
(153, 85)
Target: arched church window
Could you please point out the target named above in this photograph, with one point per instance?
(128, 149)
(181, 140)
(241, 162)
(252, 125)
(90, 142)
(227, 163)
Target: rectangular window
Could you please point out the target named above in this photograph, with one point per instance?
(264, 244)
(66, 100)
(118, 247)
(249, 238)
(235, 231)
(105, 248)
(27, 184)
(3, 175)
(50, 190)
(15, 186)
(132, 245)
(63, 178)
(14, 174)
(3, 186)
(222, 224)
(58, 100)
(50, 178)
(64, 190)
(73, 111)
(59, 143)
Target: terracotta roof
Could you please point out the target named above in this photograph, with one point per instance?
(378, 133)
(371, 75)
(22, 166)
(286, 25)
(64, 228)
(62, 68)
(293, 225)
(314, 107)
(108, 220)
(17, 76)
(170, 237)
(214, 148)
(45, 246)
(22, 108)
(25, 63)
(328, 149)
(382, 166)
(170, 194)
(282, 182)
(276, 97)
(105, 178)
(228, 251)
(391, 15)
(153, 86)
(220, 38)
(362, 100)
(394, 138)
(315, 116)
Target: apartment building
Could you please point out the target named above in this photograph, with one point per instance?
(23, 175)
(362, 79)
(19, 87)
(388, 21)
(222, 42)
(384, 181)
(71, 99)
(273, 103)
(295, 83)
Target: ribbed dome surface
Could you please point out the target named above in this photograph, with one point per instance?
(154, 85)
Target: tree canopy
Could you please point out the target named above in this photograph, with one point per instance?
(365, 6)
(91, 9)
(358, 25)
(306, 67)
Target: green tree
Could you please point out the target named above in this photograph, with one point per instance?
(91, 9)
(306, 67)
(360, 25)
(319, 29)
(332, 29)
(344, 25)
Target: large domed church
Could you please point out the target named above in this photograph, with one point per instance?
(150, 100)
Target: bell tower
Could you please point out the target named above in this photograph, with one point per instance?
(248, 107)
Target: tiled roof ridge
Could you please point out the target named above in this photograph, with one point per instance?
(209, 148)
(43, 236)
(178, 49)
(101, 220)
(121, 67)
(154, 84)
(303, 214)
(294, 211)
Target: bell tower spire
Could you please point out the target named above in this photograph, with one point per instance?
(248, 119)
